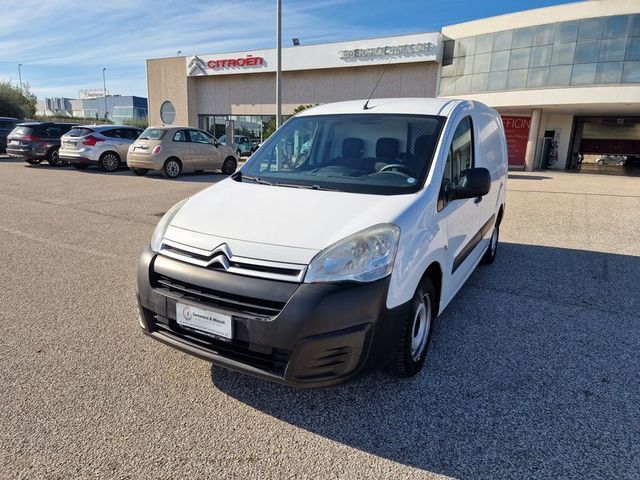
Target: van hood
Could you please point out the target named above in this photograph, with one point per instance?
(285, 216)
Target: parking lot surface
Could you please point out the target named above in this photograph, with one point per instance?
(533, 371)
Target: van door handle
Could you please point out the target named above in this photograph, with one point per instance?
(477, 200)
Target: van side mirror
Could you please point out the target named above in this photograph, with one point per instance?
(474, 182)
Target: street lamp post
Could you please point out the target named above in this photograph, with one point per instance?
(279, 63)
(104, 90)
(20, 75)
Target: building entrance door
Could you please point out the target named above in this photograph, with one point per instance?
(606, 145)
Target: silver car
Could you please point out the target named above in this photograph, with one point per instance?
(102, 145)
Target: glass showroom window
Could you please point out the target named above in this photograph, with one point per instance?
(591, 51)
(167, 113)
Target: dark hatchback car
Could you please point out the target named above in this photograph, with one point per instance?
(37, 141)
(7, 124)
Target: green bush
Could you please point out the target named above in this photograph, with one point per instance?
(69, 119)
(16, 102)
(137, 122)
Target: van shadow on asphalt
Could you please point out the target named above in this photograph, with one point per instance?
(533, 372)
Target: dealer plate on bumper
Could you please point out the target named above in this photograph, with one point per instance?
(206, 321)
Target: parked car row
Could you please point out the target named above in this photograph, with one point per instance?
(244, 146)
(37, 141)
(170, 150)
(7, 124)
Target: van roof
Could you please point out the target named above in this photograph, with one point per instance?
(417, 106)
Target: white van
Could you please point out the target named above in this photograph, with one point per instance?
(335, 247)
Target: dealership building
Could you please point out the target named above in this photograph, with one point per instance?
(566, 80)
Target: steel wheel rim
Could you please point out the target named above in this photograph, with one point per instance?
(173, 169)
(420, 328)
(110, 162)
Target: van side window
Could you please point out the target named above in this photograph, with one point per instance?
(459, 158)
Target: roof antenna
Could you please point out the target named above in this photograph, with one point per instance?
(366, 104)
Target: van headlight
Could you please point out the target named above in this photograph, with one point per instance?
(161, 228)
(365, 256)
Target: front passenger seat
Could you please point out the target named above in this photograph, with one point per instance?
(352, 149)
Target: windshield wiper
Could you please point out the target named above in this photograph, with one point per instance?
(308, 187)
(254, 179)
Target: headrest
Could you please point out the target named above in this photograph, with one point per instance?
(387, 147)
(421, 145)
(352, 147)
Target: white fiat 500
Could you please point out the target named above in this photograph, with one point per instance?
(332, 251)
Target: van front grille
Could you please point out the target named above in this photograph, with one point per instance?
(222, 259)
(223, 300)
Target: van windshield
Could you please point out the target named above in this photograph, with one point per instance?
(383, 154)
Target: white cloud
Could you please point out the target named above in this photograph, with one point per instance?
(64, 45)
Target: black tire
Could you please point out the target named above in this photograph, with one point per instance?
(172, 168)
(53, 158)
(33, 161)
(110, 161)
(490, 254)
(229, 165)
(141, 172)
(415, 340)
(80, 166)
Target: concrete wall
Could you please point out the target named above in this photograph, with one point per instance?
(593, 99)
(167, 80)
(254, 93)
(562, 124)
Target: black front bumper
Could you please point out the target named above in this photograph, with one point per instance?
(304, 335)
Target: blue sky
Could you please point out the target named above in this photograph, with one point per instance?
(64, 44)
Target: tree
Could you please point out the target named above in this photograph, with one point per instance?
(16, 102)
(300, 108)
(269, 127)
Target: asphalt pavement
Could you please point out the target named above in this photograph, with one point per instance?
(533, 372)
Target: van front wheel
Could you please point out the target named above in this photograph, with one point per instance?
(417, 326)
(490, 254)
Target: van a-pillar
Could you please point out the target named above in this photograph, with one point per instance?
(530, 153)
